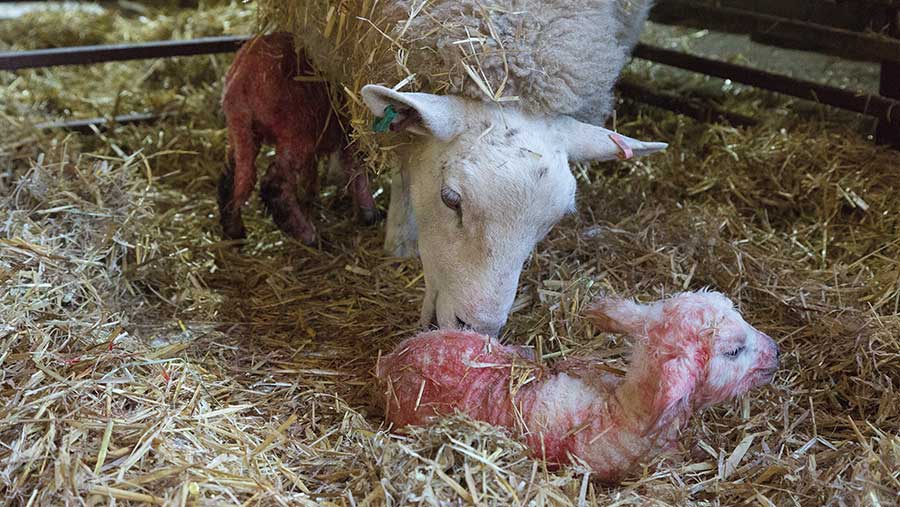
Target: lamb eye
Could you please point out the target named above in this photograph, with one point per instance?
(736, 352)
(451, 198)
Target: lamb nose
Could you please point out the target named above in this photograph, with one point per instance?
(774, 346)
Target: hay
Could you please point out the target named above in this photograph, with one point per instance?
(144, 360)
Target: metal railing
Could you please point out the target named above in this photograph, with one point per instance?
(884, 106)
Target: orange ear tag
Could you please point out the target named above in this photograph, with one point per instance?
(624, 150)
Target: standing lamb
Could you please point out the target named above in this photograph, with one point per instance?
(266, 100)
(519, 89)
(693, 350)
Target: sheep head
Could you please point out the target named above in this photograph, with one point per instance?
(694, 351)
(483, 185)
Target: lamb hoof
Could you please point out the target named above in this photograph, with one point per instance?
(369, 216)
(305, 235)
(310, 241)
(232, 232)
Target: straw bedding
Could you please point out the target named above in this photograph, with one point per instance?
(145, 361)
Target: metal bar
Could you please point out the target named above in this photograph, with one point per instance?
(885, 109)
(84, 126)
(887, 133)
(681, 105)
(847, 43)
(80, 55)
(889, 86)
(856, 15)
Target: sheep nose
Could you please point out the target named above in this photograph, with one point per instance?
(493, 329)
(775, 348)
(488, 328)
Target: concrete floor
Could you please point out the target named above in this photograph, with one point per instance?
(16, 9)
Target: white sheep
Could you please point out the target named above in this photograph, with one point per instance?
(520, 88)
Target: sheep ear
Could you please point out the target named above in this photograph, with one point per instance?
(614, 315)
(588, 142)
(420, 113)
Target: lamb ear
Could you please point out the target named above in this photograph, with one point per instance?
(614, 315)
(588, 142)
(420, 113)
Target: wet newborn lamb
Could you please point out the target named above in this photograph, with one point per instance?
(272, 96)
(693, 350)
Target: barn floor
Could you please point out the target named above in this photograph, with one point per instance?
(144, 360)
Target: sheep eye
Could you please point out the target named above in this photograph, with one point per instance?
(736, 352)
(451, 198)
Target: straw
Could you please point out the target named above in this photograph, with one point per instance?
(143, 360)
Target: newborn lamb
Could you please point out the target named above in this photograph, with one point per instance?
(692, 350)
(271, 96)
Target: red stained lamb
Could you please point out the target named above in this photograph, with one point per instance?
(264, 103)
(692, 350)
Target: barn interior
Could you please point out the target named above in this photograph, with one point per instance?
(145, 360)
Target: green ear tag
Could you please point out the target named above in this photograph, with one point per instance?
(384, 123)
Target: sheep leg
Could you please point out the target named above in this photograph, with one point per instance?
(309, 184)
(358, 187)
(335, 173)
(401, 234)
(239, 177)
(279, 193)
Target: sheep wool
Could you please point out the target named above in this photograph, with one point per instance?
(550, 57)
